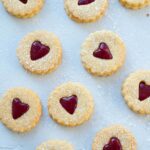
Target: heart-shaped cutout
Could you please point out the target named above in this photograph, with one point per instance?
(38, 50)
(69, 103)
(18, 108)
(24, 1)
(103, 52)
(144, 91)
(85, 2)
(114, 144)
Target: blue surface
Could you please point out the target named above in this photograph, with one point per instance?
(132, 26)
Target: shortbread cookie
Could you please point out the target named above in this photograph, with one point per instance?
(86, 10)
(70, 104)
(114, 137)
(103, 53)
(40, 52)
(134, 4)
(55, 145)
(136, 92)
(23, 8)
(20, 109)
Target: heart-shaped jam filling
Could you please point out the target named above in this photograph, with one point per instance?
(69, 103)
(85, 2)
(23, 1)
(102, 52)
(144, 91)
(18, 108)
(38, 50)
(114, 144)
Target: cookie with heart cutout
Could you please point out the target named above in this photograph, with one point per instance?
(84, 11)
(40, 52)
(23, 8)
(115, 137)
(103, 53)
(70, 104)
(20, 109)
(136, 91)
(55, 145)
(134, 4)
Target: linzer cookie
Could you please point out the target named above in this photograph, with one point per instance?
(134, 4)
(136, 92)
(20, 109)
(40, 52)
(114, 137)
(55, 145)
(85, 10)
(23, 8)
(103, 53)
(70, 104)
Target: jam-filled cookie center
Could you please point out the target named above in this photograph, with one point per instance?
(38, 50)
(85, 2)
(24, 1)
(103, 52)
(18, 108)
(113, 144)
(69, 103)
(144, 91)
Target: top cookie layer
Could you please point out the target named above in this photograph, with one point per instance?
(70, 104)
(20, 109)
(134, 4)
(55, 145)
(85, 13)
(103, 53)
(136, 91)
(21, 9)
(33, 45)
(124, 138)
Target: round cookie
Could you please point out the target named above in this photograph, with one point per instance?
(84, 11)
(134, 4)
(70, 104)
(103, 53)
(20, 109)
(23, 8)
(55, 145)
(40, 52)
(114, 137)
(136, 92)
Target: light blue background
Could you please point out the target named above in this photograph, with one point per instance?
(132, 26)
